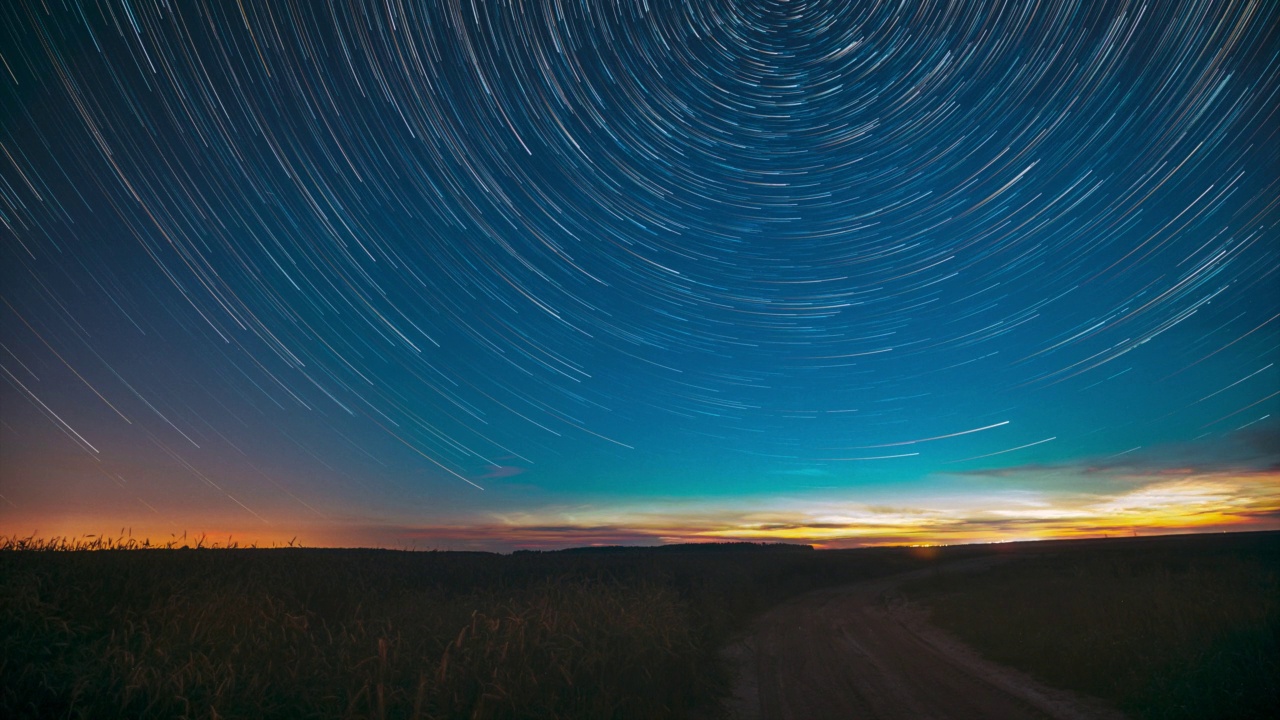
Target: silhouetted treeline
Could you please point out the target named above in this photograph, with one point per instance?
(711, 547)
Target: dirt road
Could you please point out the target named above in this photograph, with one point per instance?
(861, 651)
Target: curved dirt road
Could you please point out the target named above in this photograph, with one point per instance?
(860, 651)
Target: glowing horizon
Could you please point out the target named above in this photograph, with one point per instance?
(1175, 502)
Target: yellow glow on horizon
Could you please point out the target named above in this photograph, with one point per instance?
(1168, 503)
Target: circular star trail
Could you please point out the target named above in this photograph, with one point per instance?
(312, 256)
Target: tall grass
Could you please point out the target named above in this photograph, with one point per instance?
(124, 631)
(111, 627)
(1170, 628)
(123, 541)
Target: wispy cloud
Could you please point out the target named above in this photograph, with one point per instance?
(1020, 507)
(496, 472)
(1145, 491)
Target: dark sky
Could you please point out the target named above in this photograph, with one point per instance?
(495, 274)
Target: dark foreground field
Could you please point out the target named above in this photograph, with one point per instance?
(384, 634)
(604, 634)
(1169, 627)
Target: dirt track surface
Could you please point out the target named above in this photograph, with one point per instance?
(862, 651)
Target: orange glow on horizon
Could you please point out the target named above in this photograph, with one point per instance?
(1165, 504)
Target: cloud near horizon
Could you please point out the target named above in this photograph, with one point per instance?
(1114, 501)
(1142, 492)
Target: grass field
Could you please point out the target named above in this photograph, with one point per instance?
(1172, 627)
(291, 632)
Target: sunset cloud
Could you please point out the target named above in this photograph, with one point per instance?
(1166, 502)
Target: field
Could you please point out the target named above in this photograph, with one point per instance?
(207, 633)
(295, 632)
(1171, 627)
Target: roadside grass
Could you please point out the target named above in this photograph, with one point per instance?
(120, 630)
(1175, 627)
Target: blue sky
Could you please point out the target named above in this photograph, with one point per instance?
(477, 275)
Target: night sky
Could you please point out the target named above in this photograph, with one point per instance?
(498, 274)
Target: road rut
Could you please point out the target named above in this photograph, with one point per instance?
(863, 651)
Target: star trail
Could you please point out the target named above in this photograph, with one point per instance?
(503, 274)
